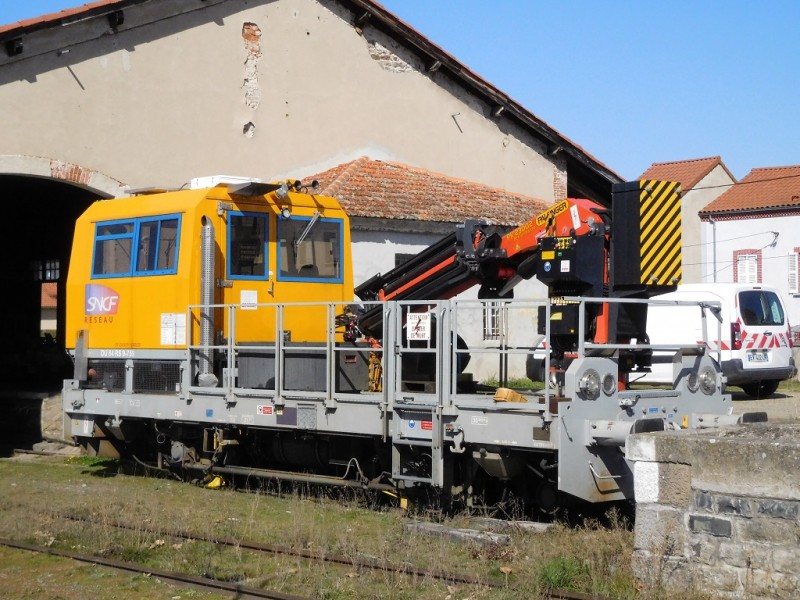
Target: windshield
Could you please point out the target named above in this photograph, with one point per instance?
(309, 250)
(759, 307)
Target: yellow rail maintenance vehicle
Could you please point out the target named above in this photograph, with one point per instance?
(215, 333)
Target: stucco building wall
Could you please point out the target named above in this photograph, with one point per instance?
(695, 251)
(252, 88)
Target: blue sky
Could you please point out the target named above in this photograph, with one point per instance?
(632, 82)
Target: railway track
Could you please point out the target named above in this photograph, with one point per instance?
(405, 570)
(239, 591)
(338, 559)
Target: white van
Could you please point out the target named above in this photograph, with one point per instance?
(756, 345)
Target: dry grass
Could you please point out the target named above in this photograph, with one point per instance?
(36, 495)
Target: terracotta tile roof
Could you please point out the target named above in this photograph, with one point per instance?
(390, 190)
(687, 172)
(52, 18)
(49, 294)
(764, 189)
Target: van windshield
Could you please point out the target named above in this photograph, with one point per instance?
(759, 307)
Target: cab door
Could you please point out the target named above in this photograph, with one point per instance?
(248, 279)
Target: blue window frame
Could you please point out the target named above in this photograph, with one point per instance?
(136, 247)
(248, 234)
(310, 249)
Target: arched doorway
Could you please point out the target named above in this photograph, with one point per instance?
(35, 249)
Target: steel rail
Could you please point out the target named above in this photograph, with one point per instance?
(373, 564)
(554, 594)
(239, 591)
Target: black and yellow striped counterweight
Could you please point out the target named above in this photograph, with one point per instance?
(646, 235)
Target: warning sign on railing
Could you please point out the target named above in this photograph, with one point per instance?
(418, 326)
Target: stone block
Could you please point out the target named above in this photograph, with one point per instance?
(750, 460)
(705, 549)
(723, 581)
(786, 561)
(732, 505)
(771, 531)
(769, 584)
(780, 509)
(710, 525)
(662, 483)
(662, 571)
(744, 556)
(703, 501)
(482, 538)
(659, 530)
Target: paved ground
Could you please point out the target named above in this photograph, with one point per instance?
(781, 407)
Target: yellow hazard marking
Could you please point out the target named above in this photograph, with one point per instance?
(552, 212)
(660, 232)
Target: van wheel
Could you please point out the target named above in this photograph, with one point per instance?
(760, 389)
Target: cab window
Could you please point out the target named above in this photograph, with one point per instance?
(247, 245)
(136, 247)
(760, 307)
(310, 249)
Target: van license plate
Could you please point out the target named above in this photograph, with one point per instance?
(757, 356)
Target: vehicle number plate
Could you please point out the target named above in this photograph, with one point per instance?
(757, 356)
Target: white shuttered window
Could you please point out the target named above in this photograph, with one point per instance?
(747, 268)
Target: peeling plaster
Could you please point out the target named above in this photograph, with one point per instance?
(388, 60)
(251, 34)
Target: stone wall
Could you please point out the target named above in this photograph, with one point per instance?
(719, 510)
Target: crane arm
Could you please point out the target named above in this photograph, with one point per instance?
(477, 253)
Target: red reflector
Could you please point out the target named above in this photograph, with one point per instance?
(736, 336)
(427, 425)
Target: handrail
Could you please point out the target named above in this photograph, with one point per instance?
(397, 347)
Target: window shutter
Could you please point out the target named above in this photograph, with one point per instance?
(794, 278)
(747, 268)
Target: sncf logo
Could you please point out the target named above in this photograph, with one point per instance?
(101, 300)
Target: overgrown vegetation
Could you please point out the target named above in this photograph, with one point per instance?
(38, 497)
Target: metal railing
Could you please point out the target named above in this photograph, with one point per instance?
(424, 346)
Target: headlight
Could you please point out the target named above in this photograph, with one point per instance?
(692, 382)
(589, 384)
(609, 384)
(708, 380)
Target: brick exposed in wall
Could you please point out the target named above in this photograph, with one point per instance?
(69, 172)
(251, 34)
(559, 183)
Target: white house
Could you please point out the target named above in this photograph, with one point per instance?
(751, 233)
